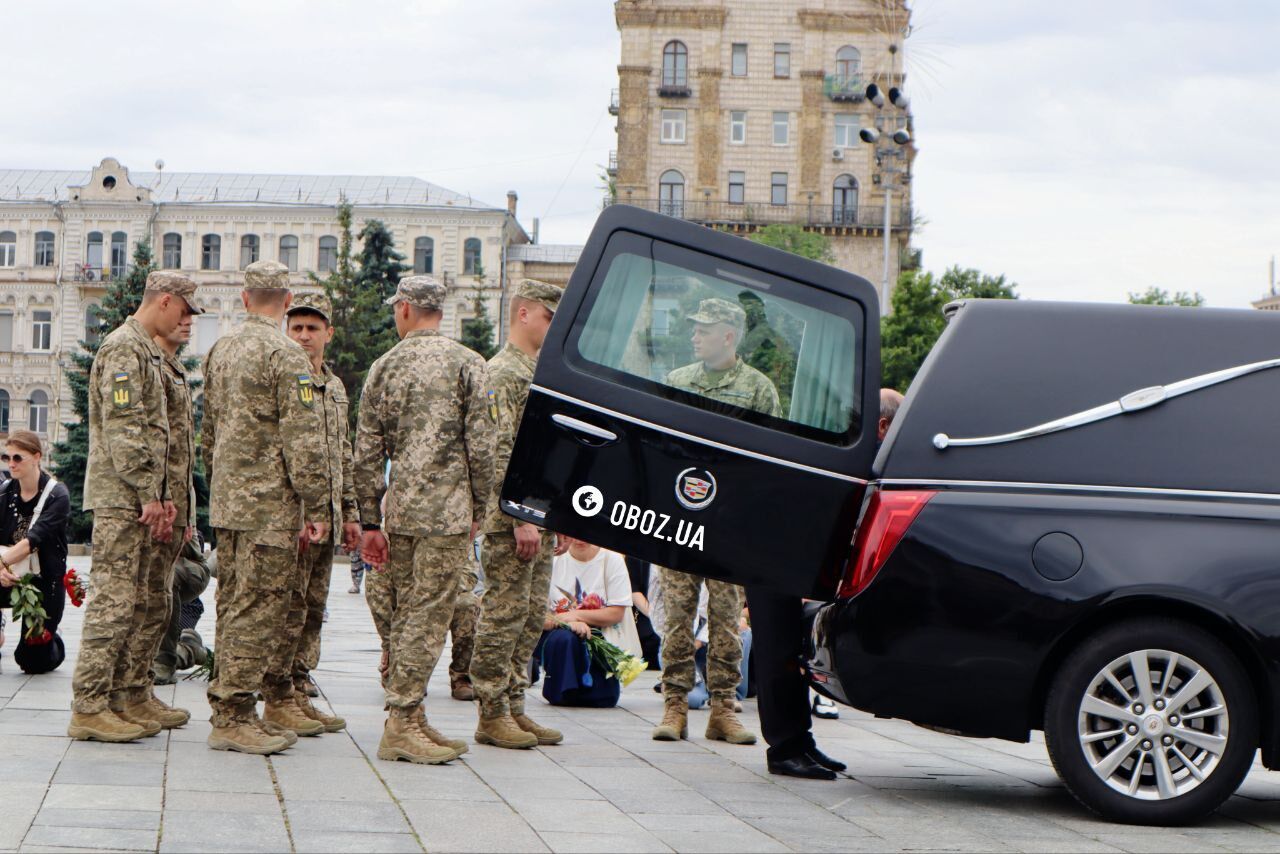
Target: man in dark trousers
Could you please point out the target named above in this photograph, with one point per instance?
(778, 626)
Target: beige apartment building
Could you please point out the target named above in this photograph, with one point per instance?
(742, 113)
(63, 233)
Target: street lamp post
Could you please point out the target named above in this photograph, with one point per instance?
(900, 137)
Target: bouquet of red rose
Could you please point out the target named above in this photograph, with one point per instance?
(75, 587)
(28, 608)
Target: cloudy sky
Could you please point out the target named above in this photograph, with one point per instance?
(1083, 149)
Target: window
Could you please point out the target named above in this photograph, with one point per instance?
(781, 128)
(846, 130)
(289, 252)
(210, 252)
(675, 65)
(738, 127)
(171, 258)
(673, 126)
(93, 254)
(4, 411)
(471, 256)
(119, 254)
(327, 260)
(206, 333)
(738, 65)
(6, 331)
(92, 325)
(848, 63)
(671, 193)
(38, 412)
(41, 330)
(250, 249)
(778, 189)
(844, 200)
(424, 255)
(44, 248)
(737, 187)
(8, 248)
(636, 332)
(781, 59)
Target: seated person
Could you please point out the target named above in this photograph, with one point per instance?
(590, 589)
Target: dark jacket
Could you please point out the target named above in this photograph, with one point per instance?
(48, 538)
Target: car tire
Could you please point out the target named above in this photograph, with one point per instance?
(1184, 769)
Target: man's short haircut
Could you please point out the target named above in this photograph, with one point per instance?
(518, 301)
(259, 297)
(889, 404)
(149, 297)
(417, 311)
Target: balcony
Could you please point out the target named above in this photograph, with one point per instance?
(754, 214)
(844, 88)
(91, 273)
(612, 169)
(677, 88)
(614, 103)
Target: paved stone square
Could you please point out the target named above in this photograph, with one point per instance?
(608, 788)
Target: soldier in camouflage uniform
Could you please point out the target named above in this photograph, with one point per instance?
(263, 449)
(426, 408)
(721, 375)
(308, 323)
(462, 631)
(517, 557)
(127, 488)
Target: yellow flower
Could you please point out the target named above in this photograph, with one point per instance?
(630, 668)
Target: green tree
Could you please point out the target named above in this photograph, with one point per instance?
(71, 455)
(1157, 296)
(364, 328)
(797, 241)
(909, 332)
(477, 330)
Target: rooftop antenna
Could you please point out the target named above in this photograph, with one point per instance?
(159, 173)
(1273, 275)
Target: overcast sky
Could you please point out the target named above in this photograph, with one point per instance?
(1084, 149)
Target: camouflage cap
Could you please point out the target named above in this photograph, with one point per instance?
(719, 311)
(541, 292)
(266, 274)
(178, 284)
(312, 301)
(421, 291)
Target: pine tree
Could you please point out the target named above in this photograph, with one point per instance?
(477, 331)
(71, 455)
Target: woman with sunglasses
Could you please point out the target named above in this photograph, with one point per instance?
(24, 532)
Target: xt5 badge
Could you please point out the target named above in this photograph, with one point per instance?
(695, 488)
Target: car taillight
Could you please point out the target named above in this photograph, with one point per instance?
(889, 514)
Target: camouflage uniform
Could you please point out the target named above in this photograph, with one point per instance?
(462, 628)
(426, 408)
(190, 579)
(743, 386)
(268, 473)
(128, 448)
(515, 599)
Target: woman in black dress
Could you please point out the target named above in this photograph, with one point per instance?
(46, 537)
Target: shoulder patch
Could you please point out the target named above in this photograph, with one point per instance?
(122, 391)
(493, 405)
(306, 393)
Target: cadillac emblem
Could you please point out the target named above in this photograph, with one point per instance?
(695, 488)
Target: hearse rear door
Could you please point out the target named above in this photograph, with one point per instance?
(643, 440)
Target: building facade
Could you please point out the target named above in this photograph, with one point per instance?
(62, 234)
(739, 114)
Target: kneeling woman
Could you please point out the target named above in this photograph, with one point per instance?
(590, 589)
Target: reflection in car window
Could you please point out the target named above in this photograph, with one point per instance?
(701, 330)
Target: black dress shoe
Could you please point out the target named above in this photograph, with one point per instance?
(826, 761)
(801, 766)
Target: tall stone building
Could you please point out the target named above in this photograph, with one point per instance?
(63, 233)
(739, 113)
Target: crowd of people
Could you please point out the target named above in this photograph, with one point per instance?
(413, 500)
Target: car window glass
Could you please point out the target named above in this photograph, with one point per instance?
(726, 338)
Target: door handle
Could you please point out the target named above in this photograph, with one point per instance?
(593, 435)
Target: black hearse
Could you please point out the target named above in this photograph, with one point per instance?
(1073, 525)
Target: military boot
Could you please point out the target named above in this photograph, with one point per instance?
(503, 731)
(289, 716)
(725, 726)
(103, 726)
(170, 717)
(244, 737)
(139, 714)
(456, 744)
(332, 723)
(675, 719)
(290, 737)
(460, 688)
(402, 739)
(544, 734)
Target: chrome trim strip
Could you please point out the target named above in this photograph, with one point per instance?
(1157, 491)
(512, 505)
(585, 428)
(701, 441)
(1134, 401)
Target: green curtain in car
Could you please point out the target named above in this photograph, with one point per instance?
(614, 333)
(823, 394)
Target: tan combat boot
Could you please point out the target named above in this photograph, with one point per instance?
(289, 716)
(168, 716)
(457, 745)
(139, 714)
(675, 719)
(332, 723)
(290, 737)
(244, 737)
(103, 726)
(401, 739)
(544, 734)
(725, 726)
(503, 731)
